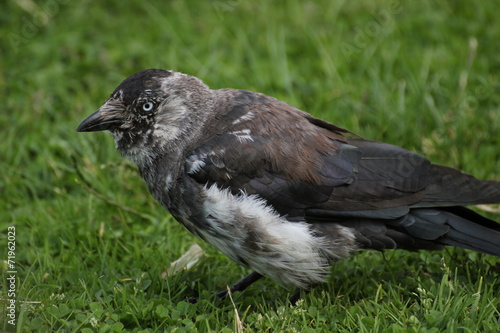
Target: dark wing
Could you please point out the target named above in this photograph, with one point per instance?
(302, 165)
(265, 147)
(311, 170)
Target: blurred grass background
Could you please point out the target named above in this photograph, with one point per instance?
(91, 242)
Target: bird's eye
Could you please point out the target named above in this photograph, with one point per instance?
(148, 106)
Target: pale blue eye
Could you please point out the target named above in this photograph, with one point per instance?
(148, 106)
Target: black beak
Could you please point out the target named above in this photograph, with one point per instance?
(98, 122)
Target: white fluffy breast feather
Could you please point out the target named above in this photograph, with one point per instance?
(247, 230)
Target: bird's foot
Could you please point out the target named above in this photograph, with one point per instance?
(238, 286)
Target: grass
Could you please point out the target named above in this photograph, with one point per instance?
(91, 244)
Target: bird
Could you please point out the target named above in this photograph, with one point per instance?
(282, 192)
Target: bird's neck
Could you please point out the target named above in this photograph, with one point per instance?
(161, 174)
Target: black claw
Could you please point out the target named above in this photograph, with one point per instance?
(222, 294)
(193, 300)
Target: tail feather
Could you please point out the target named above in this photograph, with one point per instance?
(457, 226)
(450, 187)
(472, 231)
(456, 238)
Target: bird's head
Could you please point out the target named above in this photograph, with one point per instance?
(152, 112)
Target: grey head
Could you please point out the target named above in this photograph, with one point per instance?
(152, 112)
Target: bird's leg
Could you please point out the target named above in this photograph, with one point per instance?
(240, 285)
(296, 296)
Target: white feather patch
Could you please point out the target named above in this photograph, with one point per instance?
(247, 230)
(195, 163)
(243, 135)
(247, 116)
